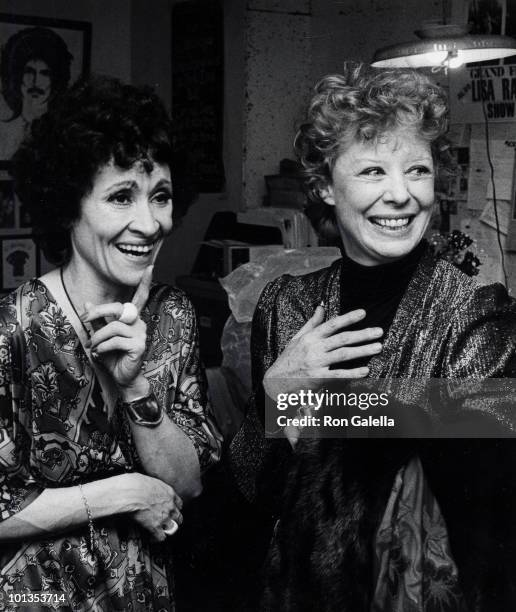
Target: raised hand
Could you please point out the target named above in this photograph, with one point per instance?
(119, 346)
(318, 345)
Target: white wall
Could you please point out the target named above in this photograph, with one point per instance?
(290, 45)
(277, 85)
(354, 29)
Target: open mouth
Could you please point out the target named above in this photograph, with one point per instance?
(392, 223)
(136, 250)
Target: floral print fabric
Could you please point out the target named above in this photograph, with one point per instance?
(56, 431)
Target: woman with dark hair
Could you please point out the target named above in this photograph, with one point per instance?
(104, 429)
(405, 525)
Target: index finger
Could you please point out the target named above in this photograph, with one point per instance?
(314, 321)
(334, 325)
(141, 294)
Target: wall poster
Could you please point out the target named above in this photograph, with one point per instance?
(39, 59)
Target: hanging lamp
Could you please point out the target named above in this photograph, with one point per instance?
(444, 45)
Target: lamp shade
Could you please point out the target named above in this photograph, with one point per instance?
(436, 51)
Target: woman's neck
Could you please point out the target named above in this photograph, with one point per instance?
(386, 267)
(84, 285)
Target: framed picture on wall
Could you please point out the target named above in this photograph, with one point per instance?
(20, 261)
(14, 217)
(39, 59)
(481, 16)
(7, 206)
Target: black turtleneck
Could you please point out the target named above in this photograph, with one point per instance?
(376, 289)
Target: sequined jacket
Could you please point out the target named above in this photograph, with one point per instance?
(446, 326)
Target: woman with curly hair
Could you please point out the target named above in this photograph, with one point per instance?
(383, 525)
(104, 429)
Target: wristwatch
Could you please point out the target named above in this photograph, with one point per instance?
(144, 411)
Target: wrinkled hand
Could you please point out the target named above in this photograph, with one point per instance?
(316, 346)
(119, 347)
(155, 504)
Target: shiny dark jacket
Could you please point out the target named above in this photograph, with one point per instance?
(446, 326)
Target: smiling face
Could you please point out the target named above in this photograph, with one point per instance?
(383, 195)
(121, 227)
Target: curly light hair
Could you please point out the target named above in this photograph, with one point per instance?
(362, 105)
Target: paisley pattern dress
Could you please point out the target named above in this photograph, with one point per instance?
(56, 431)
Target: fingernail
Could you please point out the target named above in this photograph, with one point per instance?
(87, 306)
(377, 347)
(378, 331)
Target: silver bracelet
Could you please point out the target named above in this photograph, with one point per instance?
(93, 535)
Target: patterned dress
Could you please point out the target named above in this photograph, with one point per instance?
(56, 431)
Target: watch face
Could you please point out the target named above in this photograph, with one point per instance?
(144, 411)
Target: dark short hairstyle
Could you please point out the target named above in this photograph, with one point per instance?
(31, 44)
(96, 121)
(363, 104)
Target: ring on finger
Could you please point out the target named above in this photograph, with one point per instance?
(171, 528)
(129, 313)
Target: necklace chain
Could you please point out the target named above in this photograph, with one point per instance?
(71, 303)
